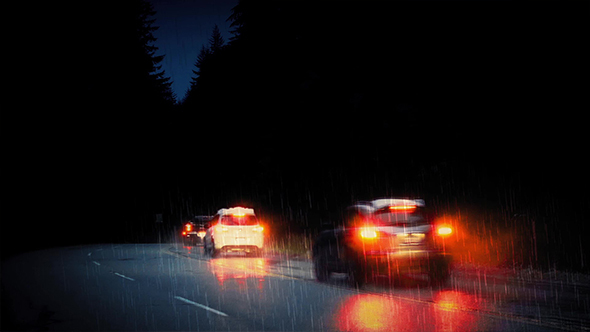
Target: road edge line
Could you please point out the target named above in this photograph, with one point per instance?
(201, 306)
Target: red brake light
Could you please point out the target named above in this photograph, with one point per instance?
(369, 232)
(183, 233)
(444, 230)
(406, 208)
(189, 227)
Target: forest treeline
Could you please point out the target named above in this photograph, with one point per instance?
(385, 91)
(83, 140)
(307, 107)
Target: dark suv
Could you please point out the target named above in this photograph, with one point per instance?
(193, 230)
(389, 237)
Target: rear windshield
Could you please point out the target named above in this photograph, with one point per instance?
(247, 220)
(399, 218)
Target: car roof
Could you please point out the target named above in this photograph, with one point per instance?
(385, 202)
(377, 204)
(238, 210)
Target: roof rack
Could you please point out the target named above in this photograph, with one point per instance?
(238, 210)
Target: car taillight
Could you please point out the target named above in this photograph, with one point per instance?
(444, 230)
(189, 227)
(368, 232)
(404, 208)
(183, 233)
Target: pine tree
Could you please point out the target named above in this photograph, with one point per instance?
(207, 61)
(200, 63)
(216, 42)
(157, 83)
(121, 63)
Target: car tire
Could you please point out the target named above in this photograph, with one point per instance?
(357, 274)
(438, 272)
(208, 250)
(255, 253)
(320, 264)
(212, 251)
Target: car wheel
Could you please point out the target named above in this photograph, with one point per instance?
(212, 251)
(207, 249)
(320, 264)
(357, 274)
(255, 253)
(438, 272)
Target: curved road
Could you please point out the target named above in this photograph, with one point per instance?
(165, 287)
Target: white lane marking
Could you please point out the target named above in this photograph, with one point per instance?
(125, 277)
(201, 306)
(95, 262)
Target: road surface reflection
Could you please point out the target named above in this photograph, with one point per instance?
(239, 270)
(452, 311)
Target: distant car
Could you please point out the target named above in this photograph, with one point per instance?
(232, 230)
(383, 237)
(193, 231)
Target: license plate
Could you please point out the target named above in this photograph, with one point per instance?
(413, 239)
(412, 242)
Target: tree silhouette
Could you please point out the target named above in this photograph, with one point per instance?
(207, 61)
(152, 87)
(200, 64)
(340, 91)
(216, 41)
(95, 114)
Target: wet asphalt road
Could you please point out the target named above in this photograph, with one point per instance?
(165, 287)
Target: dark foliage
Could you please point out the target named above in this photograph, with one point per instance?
(311, 106)
(83, 142)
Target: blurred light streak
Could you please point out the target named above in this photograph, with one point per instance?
(239, 269)
(452, 311)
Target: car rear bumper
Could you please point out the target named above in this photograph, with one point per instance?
(247, 249)
(406, 260)
(193, 236)
(235, 243)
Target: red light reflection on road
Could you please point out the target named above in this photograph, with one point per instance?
(369, 312)
(239, 269)
(188, 249)
(452, 311)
